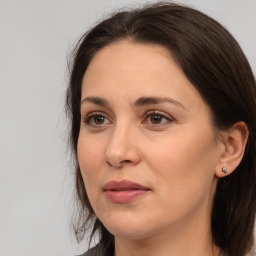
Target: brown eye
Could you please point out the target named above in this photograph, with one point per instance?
(94, 119)
(156, 119)
(98, 120)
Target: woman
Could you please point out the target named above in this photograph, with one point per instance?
(162, 106)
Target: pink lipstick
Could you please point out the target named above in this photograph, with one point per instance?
(124, 191)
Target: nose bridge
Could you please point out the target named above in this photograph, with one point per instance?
(121, 147)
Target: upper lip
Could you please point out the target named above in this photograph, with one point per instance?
(123, 185)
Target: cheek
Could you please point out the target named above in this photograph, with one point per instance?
(185, 158)
(90, 157)
(184, 174)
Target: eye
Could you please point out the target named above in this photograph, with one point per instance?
(96, 119)
(154, 118)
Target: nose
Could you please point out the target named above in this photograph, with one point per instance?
(122, 148)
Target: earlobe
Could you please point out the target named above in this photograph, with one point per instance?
(234, 141)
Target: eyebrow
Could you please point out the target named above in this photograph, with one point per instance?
(142, 101)
(157, 100)
(96, 100)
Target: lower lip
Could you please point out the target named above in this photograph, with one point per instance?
(124, 196)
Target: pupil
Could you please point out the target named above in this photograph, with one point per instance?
(99, 120)
(156, 119)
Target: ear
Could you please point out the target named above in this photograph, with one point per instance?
(234, 141)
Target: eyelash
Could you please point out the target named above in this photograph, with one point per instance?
(156, 113)
(87, 120)
(90, 116)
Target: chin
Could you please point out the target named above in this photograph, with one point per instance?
(137, 233)
(126, 226)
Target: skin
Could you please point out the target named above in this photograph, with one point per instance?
(170, 147)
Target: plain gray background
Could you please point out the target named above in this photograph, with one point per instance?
(35, 174)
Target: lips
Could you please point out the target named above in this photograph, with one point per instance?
(124, 191)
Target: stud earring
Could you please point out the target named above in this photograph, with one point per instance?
(225, 170)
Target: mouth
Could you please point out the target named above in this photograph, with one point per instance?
(124, 191)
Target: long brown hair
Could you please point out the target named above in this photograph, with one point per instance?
(215, 64)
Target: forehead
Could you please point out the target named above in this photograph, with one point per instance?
(133, 52)
(138, 62)
(128, 69)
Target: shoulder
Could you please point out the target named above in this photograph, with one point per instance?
(98, 250)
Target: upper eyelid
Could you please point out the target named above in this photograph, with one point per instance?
(96, 113)
(157, 112)
(93, 113)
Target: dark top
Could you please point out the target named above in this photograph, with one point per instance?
(95, 251)
(98, 250)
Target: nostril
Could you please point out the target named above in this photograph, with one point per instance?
(119, 164)
(125, 161)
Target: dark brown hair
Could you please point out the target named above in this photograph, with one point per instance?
(215, 64)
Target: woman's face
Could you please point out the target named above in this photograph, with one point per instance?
(147, 148)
